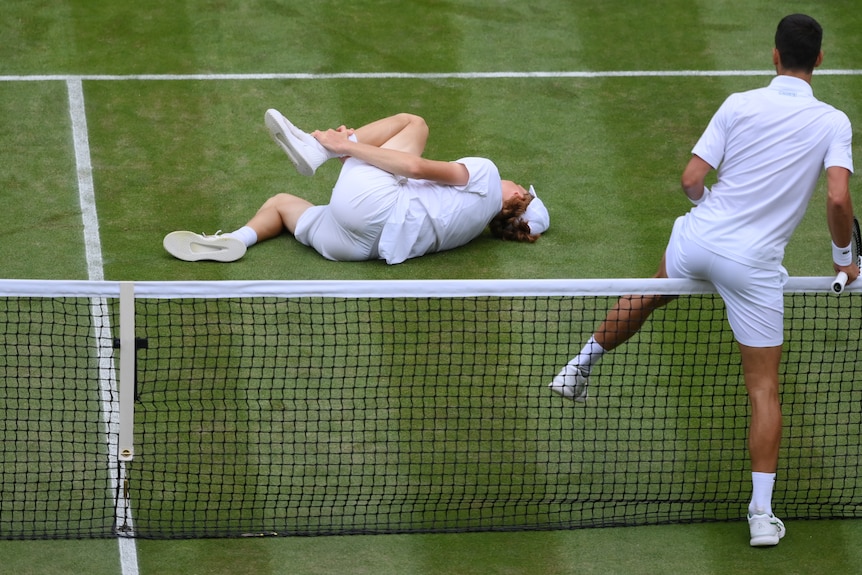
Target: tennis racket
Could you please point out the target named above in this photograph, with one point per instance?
(856, 248)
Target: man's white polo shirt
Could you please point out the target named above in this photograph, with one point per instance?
(769, 146)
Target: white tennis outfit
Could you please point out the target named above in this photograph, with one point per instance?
(373, 214)
(769, 146)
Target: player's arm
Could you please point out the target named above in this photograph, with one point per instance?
(693, 178)
(395, 161)
(839, 214)
(409, 165)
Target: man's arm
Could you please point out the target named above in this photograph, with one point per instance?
(693, 177)
(839, 214)
(394, 161)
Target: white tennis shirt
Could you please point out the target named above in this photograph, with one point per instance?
(431, 217)
(769, 146)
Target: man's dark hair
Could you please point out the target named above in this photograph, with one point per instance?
(798, 39)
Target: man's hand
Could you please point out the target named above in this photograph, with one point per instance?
(335, 141)
(852, 271)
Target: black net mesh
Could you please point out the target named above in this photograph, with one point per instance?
(329, 415)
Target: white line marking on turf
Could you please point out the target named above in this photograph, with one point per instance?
(417, 76)
(86, 192)
(101, 323)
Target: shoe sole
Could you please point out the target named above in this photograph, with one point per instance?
(768, 539)
(191, 247)
(279, 127)
(765, 541)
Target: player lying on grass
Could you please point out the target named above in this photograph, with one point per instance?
(769, 146)
(389, 202)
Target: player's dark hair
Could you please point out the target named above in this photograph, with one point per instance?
(508, 224)
(798, 40)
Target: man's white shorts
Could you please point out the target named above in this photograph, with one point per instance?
(753, 297)
(349, 227)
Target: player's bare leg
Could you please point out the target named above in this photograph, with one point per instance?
(278, 213)
(629, 314)
(403, 132)
(760, 366)
(627, 317)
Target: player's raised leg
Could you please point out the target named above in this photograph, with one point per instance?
(404, 132)
(623, 321)
(305, 153)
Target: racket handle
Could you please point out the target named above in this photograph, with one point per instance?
(839, 282)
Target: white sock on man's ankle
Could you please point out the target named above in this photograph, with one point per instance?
(332, 155)
(591, 353)
(761, 493)
(246, 235)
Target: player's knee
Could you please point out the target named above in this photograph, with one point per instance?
(281, 199)
(417, 122)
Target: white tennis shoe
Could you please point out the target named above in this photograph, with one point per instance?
(192, 247)
(765, 530)
(571, 383)
(306, 153)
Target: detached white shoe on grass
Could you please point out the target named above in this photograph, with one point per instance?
(306, 153)
(192, 247)
(571, 383)
(765, 530)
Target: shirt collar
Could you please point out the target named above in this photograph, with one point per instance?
(791, 84)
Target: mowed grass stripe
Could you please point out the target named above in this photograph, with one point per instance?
(40, 220)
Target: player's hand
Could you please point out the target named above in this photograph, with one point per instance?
(852, 271)
(335, 140)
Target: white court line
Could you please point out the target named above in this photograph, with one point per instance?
(417, 76)
(102, 325)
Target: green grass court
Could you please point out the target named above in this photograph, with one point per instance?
(174, 94)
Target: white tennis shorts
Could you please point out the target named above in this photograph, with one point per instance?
(753, 297)
(349, 227)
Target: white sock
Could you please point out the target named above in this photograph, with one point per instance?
(589, 356)
(331, 155)
(246, 235)
(761, 493)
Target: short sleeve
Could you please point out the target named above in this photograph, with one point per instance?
(712, 143)
(840, 152)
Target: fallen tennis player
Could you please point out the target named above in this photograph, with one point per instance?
(389, 202)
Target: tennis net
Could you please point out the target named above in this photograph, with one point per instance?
(310, 408)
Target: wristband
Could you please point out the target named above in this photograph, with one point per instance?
(842, 256)
(698, 201)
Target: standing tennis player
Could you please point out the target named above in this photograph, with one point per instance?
(769, 146)
(388, 203)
